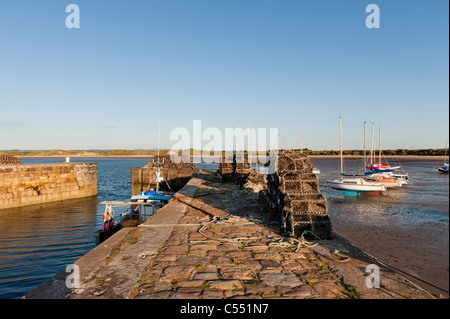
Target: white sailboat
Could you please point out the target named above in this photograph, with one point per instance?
(386, 176)
(352, 186)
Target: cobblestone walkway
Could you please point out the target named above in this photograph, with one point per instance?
(233, 252)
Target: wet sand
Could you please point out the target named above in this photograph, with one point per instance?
(417, 251)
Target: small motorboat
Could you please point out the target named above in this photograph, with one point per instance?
(388, 179)
(153, 195)
(443, 169)
(141, 207)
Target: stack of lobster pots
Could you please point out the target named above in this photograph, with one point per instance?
(165, 162)
(241, 168)
(234, 167)
(294, 196)
(226, 167)
(9, 159)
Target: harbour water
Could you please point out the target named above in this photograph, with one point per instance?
(38, 241)
(406, 227)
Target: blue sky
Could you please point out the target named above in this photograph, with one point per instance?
(290, 64)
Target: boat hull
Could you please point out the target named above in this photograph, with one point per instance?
(339, 185)
(443, 170)
(102, 235)
(162, 196)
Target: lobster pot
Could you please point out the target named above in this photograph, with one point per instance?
(226, 167)
(294, 162)
(241, 158)
(299, 183)
(293, 194)
(306, 206)
(319, 225)
(234, 167)
(241, 169)
(262, 197)
(165, 162)
(227, 174)
(241, 175)
(227, 159)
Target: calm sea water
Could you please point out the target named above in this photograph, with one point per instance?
(424, 199)
(38, 241)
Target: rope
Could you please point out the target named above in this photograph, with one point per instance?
(408, 274)
(387, 202)
(323, 186)
(170, 225)
(337, 253)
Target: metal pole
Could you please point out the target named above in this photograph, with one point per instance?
(365, 162)
(380, 149)
(371, 150)
(340, 145)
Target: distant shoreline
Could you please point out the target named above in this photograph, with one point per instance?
(424, 157)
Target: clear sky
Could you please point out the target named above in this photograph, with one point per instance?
(291, 64)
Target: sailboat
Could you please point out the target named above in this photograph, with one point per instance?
(155, 195)
(385, 176)
(352, 186)
(444, 169)
(379, 166)
(381, 171)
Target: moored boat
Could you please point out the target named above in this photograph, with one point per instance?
(352, 186)
(444, 169)
(383, 166)
(356, 185)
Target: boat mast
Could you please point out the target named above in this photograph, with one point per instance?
(157, 167)
(371, 150)
(445, 151)
(380, 149)
(365, 161)
(340, 145)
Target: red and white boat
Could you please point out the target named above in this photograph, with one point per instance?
(383, 166)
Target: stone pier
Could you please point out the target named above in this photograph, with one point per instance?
(215, 241)
(28, 184)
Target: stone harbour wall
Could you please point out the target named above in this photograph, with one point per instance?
(28, 184)
(143, 179)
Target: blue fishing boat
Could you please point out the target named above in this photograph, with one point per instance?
(444, 169)
(153, 195)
